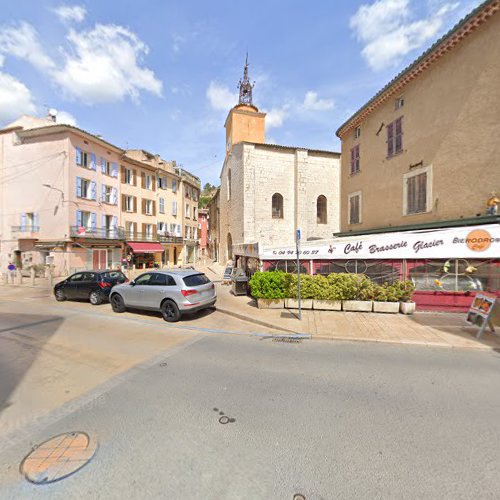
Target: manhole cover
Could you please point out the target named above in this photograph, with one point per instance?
(57, 458)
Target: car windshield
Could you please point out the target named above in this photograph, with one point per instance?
(196, 280)
(113, 276)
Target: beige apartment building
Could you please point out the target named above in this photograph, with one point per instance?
(424, 151)
(72, 200)
(420, 177)
(150, 215)
(190, 192)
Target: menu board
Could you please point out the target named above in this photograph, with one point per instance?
(481, 312)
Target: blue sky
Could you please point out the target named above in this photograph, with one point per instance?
(161, 75)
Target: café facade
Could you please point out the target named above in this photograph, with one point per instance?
(447, 266)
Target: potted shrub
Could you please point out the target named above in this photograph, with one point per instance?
(306, 291)
(268, 288)
(357, 292)
(327, 295)
(405, 290)
(386, 299)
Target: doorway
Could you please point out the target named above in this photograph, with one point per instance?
(99, 259)
(175, 256)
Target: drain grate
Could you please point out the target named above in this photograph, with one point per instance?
(58, 457)
(288, 340)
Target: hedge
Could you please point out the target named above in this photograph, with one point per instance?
(336, 286)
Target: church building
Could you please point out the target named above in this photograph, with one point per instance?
(268, 191)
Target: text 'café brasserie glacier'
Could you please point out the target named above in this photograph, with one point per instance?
(447, 266)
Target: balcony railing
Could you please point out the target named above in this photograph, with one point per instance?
(165, 238)
(25, 229)
(162, 238)
(116, 233)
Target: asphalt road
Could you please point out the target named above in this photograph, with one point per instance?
(325, 419)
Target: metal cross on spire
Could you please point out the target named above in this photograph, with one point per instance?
(245, 86)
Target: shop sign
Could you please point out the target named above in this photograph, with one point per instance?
(481, 312)
(247, 250)
(462, 242)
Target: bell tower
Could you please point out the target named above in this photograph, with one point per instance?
(244, 123)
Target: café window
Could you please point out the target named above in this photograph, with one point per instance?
(455, 275)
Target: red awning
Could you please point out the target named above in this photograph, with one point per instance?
(145, 247)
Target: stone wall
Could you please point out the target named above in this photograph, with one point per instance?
(259, 171)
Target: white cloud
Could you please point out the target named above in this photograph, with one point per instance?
(276, 116)
(69, 13)
(220, 97)
(388, 31)
(66, 118)
(21, 40)
(104, 65)
(312, 103)
(15, 98)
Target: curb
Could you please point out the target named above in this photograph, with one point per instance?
(256, 321)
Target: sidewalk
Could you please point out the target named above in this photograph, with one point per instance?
(429, 329)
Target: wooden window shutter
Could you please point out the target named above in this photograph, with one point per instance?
(143, 206)
(143, 180)
(390, 139)
(410, 196)
(123, 174)
(155, 230)
(134, 177)
(144, 229)
(153, 182)
(135, 204)
(154, 207)
(124, 201)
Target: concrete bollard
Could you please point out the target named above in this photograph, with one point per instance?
(18, 278)
(32, 277)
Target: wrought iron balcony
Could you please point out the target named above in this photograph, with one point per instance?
(116, 233)
(25, 229)
(162, 238)
(165, 238)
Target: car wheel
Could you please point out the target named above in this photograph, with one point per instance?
(60, 297)
(117, 303)
(170, 311)
(95, 298)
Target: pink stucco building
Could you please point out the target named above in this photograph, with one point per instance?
(59, 197)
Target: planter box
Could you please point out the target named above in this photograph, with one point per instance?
(386, 307)
(270, 303)
(327, 305)
(407, 307)
(357, 305)
(294, 303)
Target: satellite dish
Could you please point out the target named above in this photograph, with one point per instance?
(53, 112)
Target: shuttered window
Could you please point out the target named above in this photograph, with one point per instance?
(416, 194)
(355, 160)
(395, 137)
(355, 209)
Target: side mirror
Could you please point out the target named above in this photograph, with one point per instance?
(132, 283)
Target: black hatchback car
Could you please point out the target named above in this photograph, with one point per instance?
(93, 286)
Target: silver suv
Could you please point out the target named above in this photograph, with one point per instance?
(172, 292)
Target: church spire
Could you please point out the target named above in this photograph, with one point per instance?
(245, 86)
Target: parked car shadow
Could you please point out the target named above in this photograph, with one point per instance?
(22, 337)
(185, 317)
